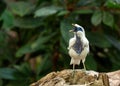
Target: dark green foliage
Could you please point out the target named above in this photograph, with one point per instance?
(34, 37)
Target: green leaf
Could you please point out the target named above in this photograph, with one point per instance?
(90, 62)
(65, 26)
(113, 4)
(1, 82)
(32, 47)
(22, 70)
(3, 37)
(21, 8)
(98, 39)
(23, 50)
(113, 41)
(117, 1)
(63, 46)
(27, 22)
(84, 11)
(63, 12)
(47, 11)
(2, 6)
(45, 65)
(23, 74)
(8, 19)
(108, 19)
(7, 73)
(96, 18)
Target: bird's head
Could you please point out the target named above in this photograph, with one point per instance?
(79, 30)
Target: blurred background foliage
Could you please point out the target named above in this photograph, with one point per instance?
(34, 37)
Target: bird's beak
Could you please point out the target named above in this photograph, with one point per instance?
(72, 30)
(73, 25)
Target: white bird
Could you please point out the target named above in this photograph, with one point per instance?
(78, 46)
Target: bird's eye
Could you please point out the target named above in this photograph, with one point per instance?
(79, 29)
(75, 29)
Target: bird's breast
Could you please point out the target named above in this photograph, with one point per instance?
(82, 55)
(73, 53)
(78, 45)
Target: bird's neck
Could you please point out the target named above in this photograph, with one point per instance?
(79, 35)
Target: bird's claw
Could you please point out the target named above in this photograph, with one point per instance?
(73, 73)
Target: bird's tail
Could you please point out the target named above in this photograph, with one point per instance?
(75, 61)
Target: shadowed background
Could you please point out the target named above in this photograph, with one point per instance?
(34, 37)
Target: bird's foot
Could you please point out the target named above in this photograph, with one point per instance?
(84, 68)
(84, 71)
(73, 73)
(92, 73)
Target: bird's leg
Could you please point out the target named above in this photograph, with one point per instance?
(73, 67)
(73, 70)
(84, 67)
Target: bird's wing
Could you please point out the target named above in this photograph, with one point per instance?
(87, 44)
(78, 46)
(71, 43)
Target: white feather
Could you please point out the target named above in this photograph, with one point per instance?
(75, 57)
